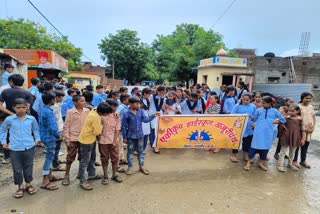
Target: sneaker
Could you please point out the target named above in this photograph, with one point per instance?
(61, 153)
(6, 161)
(293, 167)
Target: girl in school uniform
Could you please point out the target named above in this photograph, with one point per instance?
(309, 121)
(264, 119)
(244, 107)
(171, 105)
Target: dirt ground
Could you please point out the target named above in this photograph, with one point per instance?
(181, 181)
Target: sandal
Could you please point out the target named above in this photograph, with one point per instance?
(305, 165)
(105, 181)
(121, 170)
(49, 186)
(59, 168)
(144, 171)
(264, 168)
(54, 178)
(234, 159)
(156, 151)
(95, 177)
(31, 190)
(129, 171)
(18, 193)
(247, 168)
(216, 150)
(86, 186)
(66, 181)
(116, 178)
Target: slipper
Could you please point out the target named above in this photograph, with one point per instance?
(234, 159)
(49, 186)
(18, 193)
(156, 151)
(121, 170)
(86, 186)
(59, 168)
(216, 150)
(264, 168)
(144, 171)
(31, 190)
(54, 178)
(95, 177)
(129, 171)
(305, 165)
(105, 181)
(66, 181)
(116, 178)
(246, 168)
(62, 162)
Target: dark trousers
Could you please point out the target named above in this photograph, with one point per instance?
(87, 161)
(304, 150)
(22, 165)
(55, 162)
(278, 147)
(6, 152)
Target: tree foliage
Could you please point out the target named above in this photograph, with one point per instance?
(178, 54)
(128, 53)
(26, 34)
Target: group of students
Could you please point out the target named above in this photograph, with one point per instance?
(83, 119)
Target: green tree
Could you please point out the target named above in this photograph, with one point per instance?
(26, 34)
(178, 53)
(128, 53)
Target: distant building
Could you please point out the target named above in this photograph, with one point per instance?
(223, 70)
(244, 52)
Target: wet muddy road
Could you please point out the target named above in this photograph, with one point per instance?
(183, 181)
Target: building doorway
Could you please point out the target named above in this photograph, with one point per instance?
(227, 80)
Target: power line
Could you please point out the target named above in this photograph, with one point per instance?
(57, 29)
(223, 14)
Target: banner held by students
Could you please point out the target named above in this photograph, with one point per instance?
(201, 131)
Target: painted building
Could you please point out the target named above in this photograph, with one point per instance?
(223, 70)
(84, 78)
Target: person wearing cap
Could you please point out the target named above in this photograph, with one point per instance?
(8, 69)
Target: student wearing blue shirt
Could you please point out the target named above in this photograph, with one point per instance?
(191, 105)
(8, 69)
(244, 107)
(21, 126)
(67, 103)
(99, 96)
(49, 134)
(229, 100)
(131, 128)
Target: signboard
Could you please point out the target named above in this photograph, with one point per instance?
(201, 131)
(45, 59)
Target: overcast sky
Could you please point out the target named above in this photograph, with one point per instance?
(273, 25)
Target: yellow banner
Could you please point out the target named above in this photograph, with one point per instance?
(201, 131)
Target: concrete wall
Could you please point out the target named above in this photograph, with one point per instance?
(96, 79)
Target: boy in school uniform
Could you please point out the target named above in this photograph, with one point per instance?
(131, 128)
(21, 126)
(49, 134)
(72, 127)
(91, 129)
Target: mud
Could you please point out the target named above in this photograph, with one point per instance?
(181, 181)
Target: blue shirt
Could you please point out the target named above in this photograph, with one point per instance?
(122, 108)
(20, 131)
(131, 124)
(34, 90)
(228, 104)
(98, 98)
(49, 131)
(38, 103)
(186, 110)
(245, 109)
(5, 76)
(66, 104)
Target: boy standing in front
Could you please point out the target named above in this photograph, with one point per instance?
(91, 129)
(21, 126)
(49, 134)
(131, 128)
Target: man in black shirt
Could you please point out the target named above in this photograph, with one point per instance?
(8, 96)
